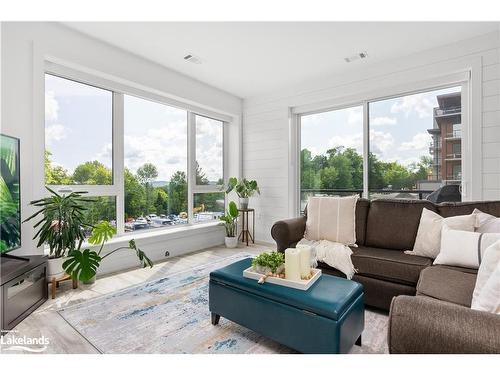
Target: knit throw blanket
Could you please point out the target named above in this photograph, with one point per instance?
(334, 254)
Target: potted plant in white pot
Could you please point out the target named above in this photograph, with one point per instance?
(61, 227)
(229, 220)
(244, 188)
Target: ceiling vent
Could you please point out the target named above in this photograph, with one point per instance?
(192, 59)
(360, 55)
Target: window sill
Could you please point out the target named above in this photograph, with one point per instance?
(165, 233)
(157, 235)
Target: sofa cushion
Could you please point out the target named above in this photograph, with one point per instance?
(362, 207)
(387, 264)
(393, 223)
(378, 293)
(446, 283)
(466, 208)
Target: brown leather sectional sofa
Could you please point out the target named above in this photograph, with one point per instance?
(384, 229)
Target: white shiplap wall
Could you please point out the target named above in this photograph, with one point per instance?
(266, 129)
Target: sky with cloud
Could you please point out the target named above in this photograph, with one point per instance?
(78, 128)
(398, 127)
(77, 122)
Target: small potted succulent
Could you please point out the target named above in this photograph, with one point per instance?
(61, 226)
(244, 188)
(229, 219)
(273, 262)
(269, 265)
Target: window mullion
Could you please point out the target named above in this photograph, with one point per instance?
(118, 160)
(225, 159)
(366, 149)
(191, 161)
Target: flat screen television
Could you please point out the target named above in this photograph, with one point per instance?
(10, 195)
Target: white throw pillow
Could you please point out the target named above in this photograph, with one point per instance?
(486, 296)
(331, 218)
(428, 240)
(486, 223)
(464, 249)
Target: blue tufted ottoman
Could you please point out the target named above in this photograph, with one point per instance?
(327, 318)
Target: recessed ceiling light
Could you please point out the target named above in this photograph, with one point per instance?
(192, 59)
(359, 55)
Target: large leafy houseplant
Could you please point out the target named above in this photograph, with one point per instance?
(62, 224)
(83, 264)
(244, 189)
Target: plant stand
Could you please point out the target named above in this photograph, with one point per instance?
(55, 284)
(245, 232)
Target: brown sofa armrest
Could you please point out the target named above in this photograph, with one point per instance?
(427, 325)
(287, 232)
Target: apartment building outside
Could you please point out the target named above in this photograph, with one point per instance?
(446, 145)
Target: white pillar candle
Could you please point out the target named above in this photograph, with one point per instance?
(292, 264)
(305, 260)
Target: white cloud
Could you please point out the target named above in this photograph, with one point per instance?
(406, 161)
(384, 120)
(420, 141)
(380, 142)
(420, 104)
(409, 161)
(166, 148)
(209, 136)
(51, 107)
(355, 116)
(106, 153)
(314, 151)
(54, 133)
(349, 141)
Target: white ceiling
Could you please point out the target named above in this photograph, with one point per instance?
(250, 58)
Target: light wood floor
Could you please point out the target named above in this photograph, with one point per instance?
(64, 339)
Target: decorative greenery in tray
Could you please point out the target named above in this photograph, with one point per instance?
(269, 262)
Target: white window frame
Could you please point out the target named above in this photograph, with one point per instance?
(469, 143)
(117, 188)
(193, 187)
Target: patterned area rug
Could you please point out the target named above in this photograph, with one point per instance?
(170, 315)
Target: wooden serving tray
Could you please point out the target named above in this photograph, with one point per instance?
(302, 284)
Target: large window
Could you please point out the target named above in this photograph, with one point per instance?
(407, 136)
(414, 146)
(208, 201)
(331, 154)
(155, 152)
(78, 133)
(132, 155)
(209, 155)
